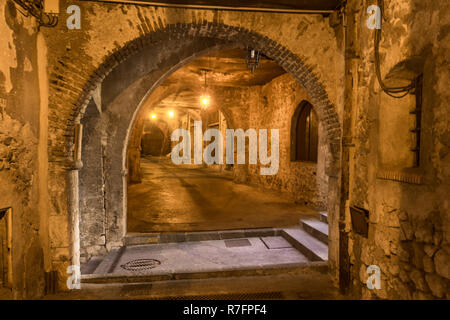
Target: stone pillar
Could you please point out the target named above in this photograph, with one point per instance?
(134, 152)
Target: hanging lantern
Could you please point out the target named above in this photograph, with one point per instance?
(252, 59)
(205, 99)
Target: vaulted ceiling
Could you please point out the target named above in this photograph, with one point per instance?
(223, 69)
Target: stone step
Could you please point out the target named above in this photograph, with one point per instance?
(323, 216)
(154, 238)
(308, 245)
(316, 228)
(109, 262)
(91, 265)
(263, 270)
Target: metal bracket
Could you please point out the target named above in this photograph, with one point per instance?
(36, 9)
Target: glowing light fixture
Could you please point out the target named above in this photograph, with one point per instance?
(205, 99)
(171, 114)
(153, 116)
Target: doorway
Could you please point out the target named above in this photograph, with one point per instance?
(5, 248)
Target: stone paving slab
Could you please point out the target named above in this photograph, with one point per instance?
(276, 242)
(200, 256)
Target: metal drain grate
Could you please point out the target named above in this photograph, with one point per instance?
(140, 264)
(237, 243)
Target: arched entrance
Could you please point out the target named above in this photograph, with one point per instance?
(129, 77)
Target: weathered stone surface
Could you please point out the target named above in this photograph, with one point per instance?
(430, 250)
(418, 255)
(437, 285)
(404, 277)
(428, 264)
(419, 295)
(407, 231)
(425, 233)
(403, 254)
(417, 277)
(441, 261)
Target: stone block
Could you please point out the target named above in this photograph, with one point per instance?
(430, 250)
(418, 278)
(393, 266)
(407, 232)
(418, 255)
(424, 233)
(403, 275)
(437, 238)
(403, 254)
(428, 264)
(441, 262)
(402, 291)
(419, 295)
(437, 285)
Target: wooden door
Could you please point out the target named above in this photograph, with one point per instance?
(3, 250)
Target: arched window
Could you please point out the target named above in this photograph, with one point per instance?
(304, 133)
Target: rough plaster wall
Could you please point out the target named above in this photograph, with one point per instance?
(19, 128)
(306, 182)
(408, 235)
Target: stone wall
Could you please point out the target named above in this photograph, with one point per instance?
(272, 107)
(408, 207)
(305, 181)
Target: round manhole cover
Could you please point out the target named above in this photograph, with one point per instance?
(140, 264)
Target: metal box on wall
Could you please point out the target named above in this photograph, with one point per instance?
(360, 220)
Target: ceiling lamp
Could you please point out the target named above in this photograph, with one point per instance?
(205, 99)
(252, 59)
(171, 114)
(153, 116)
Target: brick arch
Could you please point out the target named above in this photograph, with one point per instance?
(128, 97)
(303, 73)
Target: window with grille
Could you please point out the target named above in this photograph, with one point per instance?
(417, 112)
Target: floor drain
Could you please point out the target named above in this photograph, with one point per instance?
(141, 264)
(237, 243)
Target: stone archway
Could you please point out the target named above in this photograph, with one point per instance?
(171, 48)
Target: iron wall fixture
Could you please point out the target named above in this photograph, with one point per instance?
(36, 9)
(360, 221)
(252, 59)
